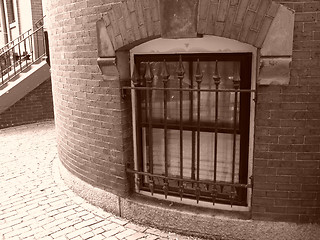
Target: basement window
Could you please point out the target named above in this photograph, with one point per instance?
(192, 125)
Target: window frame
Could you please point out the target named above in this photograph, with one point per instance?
(243, 128)
(205, 44)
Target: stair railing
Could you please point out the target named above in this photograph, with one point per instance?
(19, 54)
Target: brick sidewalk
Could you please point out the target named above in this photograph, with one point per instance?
(34, 202)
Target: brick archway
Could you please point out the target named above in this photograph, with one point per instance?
(130, 22)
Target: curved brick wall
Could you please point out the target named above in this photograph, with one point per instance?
(94, 123)
(88, 118)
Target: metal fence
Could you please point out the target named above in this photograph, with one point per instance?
(191, 185)
(16, 56)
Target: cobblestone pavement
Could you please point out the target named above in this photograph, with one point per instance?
(34, 202)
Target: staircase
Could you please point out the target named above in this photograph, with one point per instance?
(24, 65)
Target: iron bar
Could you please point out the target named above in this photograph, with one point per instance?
(165, 78)
(180, 71)
(14, 61)
(203, 128)
(188, 180)
(44, 42)
(216, 79)
(31, 48)
(195, 90)
(236, 84)
(149, 82)
(193, 133)
(37, 42)
(1, 73)
(25, 50)
(20, 55)
(198, 77)
(136, 81)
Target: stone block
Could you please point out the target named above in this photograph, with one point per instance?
(274, 71)
(279, 40)
(178, 18)
(105, 48)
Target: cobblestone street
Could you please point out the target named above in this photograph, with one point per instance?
(35, 203)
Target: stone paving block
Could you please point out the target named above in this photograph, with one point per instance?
(63, 232)
(156, 232)
(98, 231)
(35, 203)
(87, 235)
(69, 223)
(110, 226)
(113, 238)
(100, 224)
(8, 214)
(137, 235)
(17, 232)
(97, 237)
(151, 237)
(136, 227)
(65, 214)
(113, 232)
(118, 221)
(88, 216)
(125, 234)
(78, 232)
(85, 223)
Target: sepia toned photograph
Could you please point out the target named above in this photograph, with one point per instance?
(160, 119)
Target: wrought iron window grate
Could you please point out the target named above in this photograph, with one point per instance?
(192, 125)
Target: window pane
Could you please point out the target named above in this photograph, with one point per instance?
(226, 99)
(224, 155)
(11, 17)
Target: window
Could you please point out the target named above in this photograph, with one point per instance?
(192, 131)
(10, 9)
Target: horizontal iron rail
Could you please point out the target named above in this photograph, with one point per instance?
(191, 89)
(217, 183)
(187, 127)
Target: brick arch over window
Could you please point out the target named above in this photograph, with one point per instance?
(130, 22)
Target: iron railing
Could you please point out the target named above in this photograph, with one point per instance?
(22, 52)
(192, 186)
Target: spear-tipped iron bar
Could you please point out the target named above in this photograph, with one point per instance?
(216, 79)
(165, 78)
(181, 72)
(236, 83)
(149, 80)
(198, 77)
(136, 81)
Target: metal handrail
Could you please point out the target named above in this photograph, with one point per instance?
(41, 21)
(22, 52)
(12, 42)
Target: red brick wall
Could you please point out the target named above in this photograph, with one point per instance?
(287, 142)
(34, 107)
(36, 10)
(94, 128)
(89, 115)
